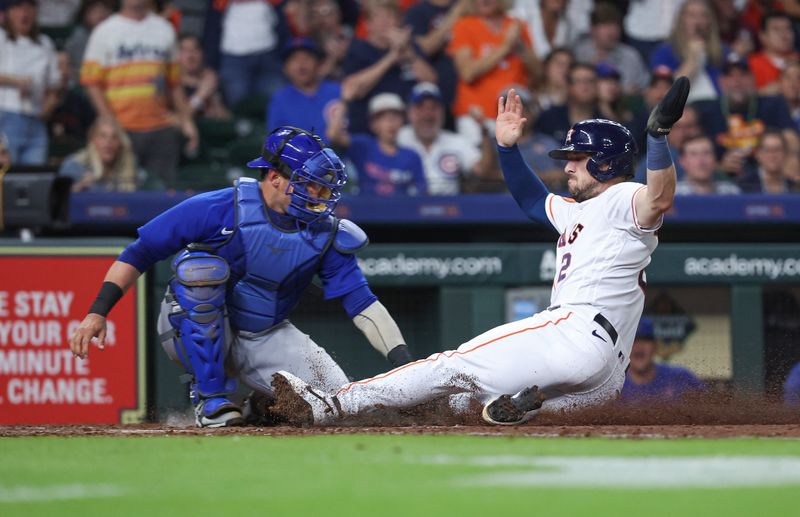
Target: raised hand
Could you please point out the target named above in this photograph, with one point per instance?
(670, 109)
(510, 122)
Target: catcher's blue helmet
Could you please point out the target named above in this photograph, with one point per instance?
(609, 143)
(301, 157)
(286, 149)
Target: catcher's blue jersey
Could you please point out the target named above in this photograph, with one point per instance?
(210, 218)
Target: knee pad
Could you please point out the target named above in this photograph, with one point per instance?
(199, 290)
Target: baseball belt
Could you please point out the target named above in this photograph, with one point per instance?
(600, 320)
(607, 326)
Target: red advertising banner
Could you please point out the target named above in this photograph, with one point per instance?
(43, 298)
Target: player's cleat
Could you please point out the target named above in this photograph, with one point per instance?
(217, 412)
(257, 410)
(300, 403)
(512, 410)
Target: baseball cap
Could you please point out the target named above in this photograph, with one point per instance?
(385, 102)
(296, 44)
(735, 61)
(422, 91)
(606, 71)
(645, 329)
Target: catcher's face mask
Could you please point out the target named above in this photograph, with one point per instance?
(315, 187)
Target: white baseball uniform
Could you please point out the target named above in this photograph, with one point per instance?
(576, 351)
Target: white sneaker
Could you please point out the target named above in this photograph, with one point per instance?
(302, 404)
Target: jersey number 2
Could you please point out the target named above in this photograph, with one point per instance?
(565, 262)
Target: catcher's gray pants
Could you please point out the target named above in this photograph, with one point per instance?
(254, 357)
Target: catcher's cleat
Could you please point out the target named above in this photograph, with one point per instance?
(300, 403)
(512, 410)
(217, 412)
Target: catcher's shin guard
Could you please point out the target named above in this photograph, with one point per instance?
(199, 290)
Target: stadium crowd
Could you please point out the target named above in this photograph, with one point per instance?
(148, 94)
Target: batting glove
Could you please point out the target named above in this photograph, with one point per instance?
(670, 109)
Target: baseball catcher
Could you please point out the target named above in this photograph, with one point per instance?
(244, 256)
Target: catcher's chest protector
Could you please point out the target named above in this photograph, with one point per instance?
(279, 264)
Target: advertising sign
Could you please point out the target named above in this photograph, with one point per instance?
(44, 295)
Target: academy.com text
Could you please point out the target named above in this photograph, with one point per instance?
(772, 268)
(401, 265)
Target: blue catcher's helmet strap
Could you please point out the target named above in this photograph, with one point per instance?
(274, 158)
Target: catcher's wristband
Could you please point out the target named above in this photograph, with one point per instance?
(109, 295)
(399, 355)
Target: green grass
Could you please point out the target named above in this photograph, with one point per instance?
(371, 475)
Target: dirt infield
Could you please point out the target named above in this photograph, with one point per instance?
(618, 431)
(706, 419)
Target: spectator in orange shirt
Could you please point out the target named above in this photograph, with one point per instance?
(491, 51)
(777, 49)
(131, 75)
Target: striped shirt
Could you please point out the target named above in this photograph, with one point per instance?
(134, 63)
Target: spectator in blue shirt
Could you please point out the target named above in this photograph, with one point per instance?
(383, 167)
(791, 388)
(647, 381)
(306, 100)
